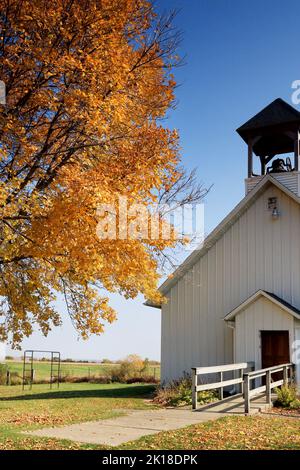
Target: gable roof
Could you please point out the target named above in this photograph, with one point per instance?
(276, 113)
(268, 295)
(223, 226)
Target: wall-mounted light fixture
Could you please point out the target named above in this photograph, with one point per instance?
(273, 207)
(275, 213)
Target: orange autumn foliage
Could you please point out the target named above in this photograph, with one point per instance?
(87, 83)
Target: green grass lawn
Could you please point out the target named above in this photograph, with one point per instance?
(70, 404)
(73, 403)
(230, 433)
(42, 369)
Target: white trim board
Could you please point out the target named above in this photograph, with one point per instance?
(272, 297)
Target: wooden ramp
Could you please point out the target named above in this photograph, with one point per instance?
(234, 405)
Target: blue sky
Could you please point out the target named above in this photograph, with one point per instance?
(240, 55)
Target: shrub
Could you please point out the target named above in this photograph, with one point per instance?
(129, 368)
(145, 365)
(15, 379)
(106, 361)
(295, 405)
(179, 393)
(100, 379)
(287, 397)
(143, 379)
(3, 372)
(93, 379)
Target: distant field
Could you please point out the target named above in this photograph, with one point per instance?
(76, 369)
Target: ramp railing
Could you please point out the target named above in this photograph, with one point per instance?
(199, 376)
(252, 388)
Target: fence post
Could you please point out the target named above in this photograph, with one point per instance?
(285, 375)
(242, 383)
(247, 393)
(7, 377)
(221, 388)
(293, 376)
(194, 388)
(292, 370)
(268, 387)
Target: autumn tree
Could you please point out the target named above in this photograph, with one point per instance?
(87, 85)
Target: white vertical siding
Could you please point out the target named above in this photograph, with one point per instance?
(296, 351)
(255, 253)
(258, 316)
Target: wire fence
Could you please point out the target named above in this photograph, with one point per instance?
(41, 370)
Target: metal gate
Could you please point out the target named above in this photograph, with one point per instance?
(28, 367)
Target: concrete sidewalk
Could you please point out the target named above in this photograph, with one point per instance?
(138, 423)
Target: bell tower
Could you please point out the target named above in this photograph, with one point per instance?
(274, 132)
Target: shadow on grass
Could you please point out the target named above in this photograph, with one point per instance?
(137, 391)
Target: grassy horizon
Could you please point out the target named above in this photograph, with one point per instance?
(78, 369)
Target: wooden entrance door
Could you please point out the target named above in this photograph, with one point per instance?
(274, 350)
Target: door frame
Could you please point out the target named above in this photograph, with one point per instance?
(287, 336)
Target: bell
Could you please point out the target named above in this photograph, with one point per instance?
(278, 166)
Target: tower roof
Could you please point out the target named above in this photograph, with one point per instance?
(276, 113)
(271, 124)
